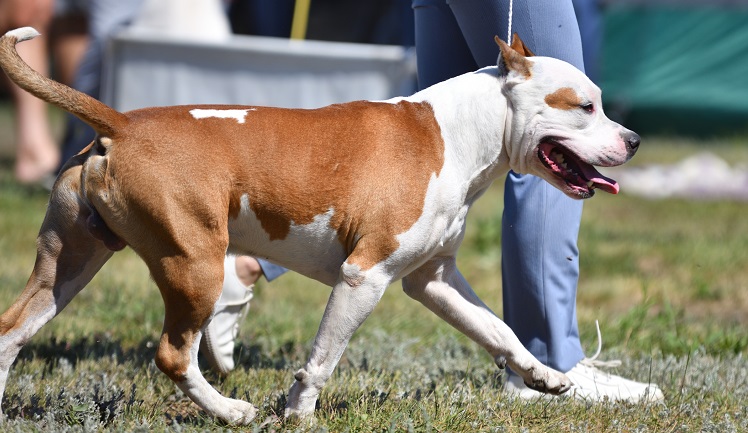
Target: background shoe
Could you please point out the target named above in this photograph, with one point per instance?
(219, 336)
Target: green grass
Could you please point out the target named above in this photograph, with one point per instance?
(667, 279)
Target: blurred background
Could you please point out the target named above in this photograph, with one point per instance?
(676, 66)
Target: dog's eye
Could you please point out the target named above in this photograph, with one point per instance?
(589, 108)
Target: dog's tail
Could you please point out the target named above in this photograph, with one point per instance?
(103, 119)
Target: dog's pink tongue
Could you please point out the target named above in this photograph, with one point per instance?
(601, 182)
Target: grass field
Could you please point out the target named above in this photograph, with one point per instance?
(668, 281)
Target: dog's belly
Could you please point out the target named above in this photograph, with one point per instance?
(312, 250)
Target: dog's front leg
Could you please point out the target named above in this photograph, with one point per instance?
(439, 286)
(352, 300)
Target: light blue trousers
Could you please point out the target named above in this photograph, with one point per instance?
(540, 259)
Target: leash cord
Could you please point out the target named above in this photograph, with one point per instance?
(509, 31)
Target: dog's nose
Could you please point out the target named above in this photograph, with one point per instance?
(632, 140)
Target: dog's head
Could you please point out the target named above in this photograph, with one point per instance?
(558, 130)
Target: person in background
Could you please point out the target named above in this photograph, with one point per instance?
(540, 258)
(63, 27)
(37, 155)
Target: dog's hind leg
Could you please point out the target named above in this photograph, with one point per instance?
(68, 256)
(352, 300)
(440, 287)
(190, 287)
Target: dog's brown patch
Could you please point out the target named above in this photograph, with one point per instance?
(370, 163)
(564, 98)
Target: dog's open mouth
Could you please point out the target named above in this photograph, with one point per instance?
(580, 176)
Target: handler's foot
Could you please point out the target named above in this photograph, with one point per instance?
(217, 344)
(593, 384)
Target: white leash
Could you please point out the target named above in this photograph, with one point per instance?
(593, 362)
(509, 32)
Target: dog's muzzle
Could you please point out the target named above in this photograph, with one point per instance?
(579, 176)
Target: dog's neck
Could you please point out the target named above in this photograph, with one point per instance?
(472, 113)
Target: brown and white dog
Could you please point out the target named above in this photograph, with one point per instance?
(354, 195)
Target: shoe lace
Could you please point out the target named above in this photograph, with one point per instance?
(593, 361)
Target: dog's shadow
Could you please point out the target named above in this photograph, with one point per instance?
(96, 347)
(56, 353)
(108, 405)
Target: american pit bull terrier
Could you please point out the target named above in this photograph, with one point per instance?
(354, 195)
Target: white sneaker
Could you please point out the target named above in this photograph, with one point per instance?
(217, 344)
(592, 384)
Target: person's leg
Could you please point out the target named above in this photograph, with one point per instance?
(219, 336)
(540, 269)
(37, 155)
(217, 343)
(69, 34)
(540, 264)
(540, 225)
(590, 21)
(441, 50)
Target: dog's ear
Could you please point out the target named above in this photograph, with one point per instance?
(520, 47)
(512, 60)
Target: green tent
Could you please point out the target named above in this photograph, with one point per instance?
(677, 69)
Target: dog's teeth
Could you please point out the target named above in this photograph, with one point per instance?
(590, 184)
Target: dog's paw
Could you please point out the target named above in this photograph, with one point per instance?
(239, 412)
(297, 415)
(549, 381)
(302, 398)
